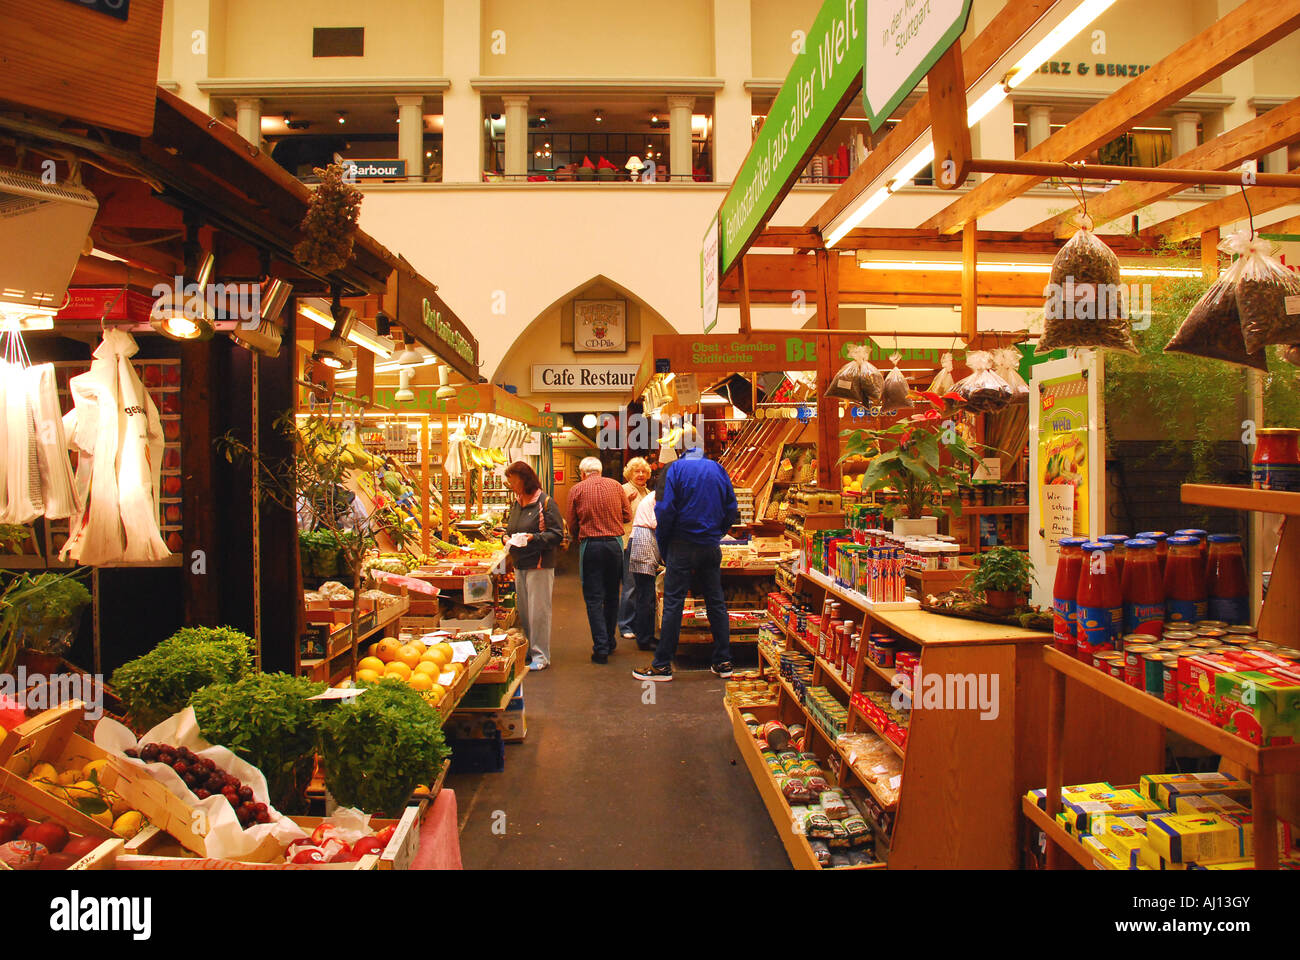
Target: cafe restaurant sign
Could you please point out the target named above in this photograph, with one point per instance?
(584, 377)
(599, 326)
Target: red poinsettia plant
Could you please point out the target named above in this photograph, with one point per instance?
(906, 457)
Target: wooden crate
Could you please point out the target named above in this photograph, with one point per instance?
(18, 796)
(503, 671)
(49, 737)
(167, 811)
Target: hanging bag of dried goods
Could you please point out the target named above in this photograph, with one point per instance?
(943, 382)
(1006, 364)
(895, 395)
(1213, 329)
(1085, 305)
(984, 391)
(1268, 294)
(858, 381)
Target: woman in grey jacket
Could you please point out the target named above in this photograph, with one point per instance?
(534, 529)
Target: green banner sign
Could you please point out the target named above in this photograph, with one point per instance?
(904, 39)
(826, 72)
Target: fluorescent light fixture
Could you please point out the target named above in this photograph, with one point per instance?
(948, 266)
(21, 316)
(713, 399)
(850, 219)
(359, 334)
(984, 105)
(912, 167)
(1057, 37)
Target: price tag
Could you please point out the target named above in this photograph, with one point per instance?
(336, 694)
(895, 781)
(853, 758)
(1292, 305)
(462, 651)
(447, 679)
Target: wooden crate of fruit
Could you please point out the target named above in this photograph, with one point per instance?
(60, 772)
(23, 807)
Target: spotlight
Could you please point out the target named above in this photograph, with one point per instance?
(445, 391)
(266, 337)
(335, 352)
(404, 391)
(190, 319)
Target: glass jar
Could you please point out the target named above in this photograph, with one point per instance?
(1276, 465)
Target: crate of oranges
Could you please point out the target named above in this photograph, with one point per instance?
(433, 669)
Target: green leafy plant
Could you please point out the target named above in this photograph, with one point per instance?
(907, 457)
(378, 747)
(268, 720)
(1004, 569)
(32, 607)
(160, 683)
(13, 536)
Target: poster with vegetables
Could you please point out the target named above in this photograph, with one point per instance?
(1063, 456)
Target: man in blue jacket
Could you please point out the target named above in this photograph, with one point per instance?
(697, 509)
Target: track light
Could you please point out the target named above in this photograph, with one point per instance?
(335, 351)
(189, 319)
(404, 391)
(445, 391)
(266, 338)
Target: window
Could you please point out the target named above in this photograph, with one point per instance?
(338, 42)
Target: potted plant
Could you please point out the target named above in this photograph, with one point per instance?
(906, 458)
(1003, 577)
(39, 616)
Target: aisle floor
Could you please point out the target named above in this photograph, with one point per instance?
(605, 781)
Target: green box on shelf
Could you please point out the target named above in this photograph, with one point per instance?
(485, 695)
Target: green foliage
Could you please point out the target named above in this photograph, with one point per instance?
(906, 458)
(1002, 568)
(53, 596)
(161, 682)
(1195, 401)
(378, 747)
(13, 536)
(268, 720)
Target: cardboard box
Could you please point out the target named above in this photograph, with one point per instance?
(1263, 707)
(1084, 813)
(1124, 837)
(1039, 796)
(1149, 784)
(1209, 803)
(1103, 856)
(1181, 838)
(1197, 678)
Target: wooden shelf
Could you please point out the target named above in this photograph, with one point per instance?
(1056, 834)
(1268, 760)
(887, 807)
(1228, 497)
(505, 699)
(1014, 510)
(876, 730)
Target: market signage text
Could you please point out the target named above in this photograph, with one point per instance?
(1066, 68)
(447, 333)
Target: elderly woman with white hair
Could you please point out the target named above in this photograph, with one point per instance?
(598, 512)
(636, 473)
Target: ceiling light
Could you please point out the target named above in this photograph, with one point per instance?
(334, 352)
(444, 391)
(654, 118)
(852, 217)
(266, 337)
(21, 316)
(191, 319)
(404, 391)
(589, 421)
(342, 117)
(600, 117)
(1059, 36)
(359, 334)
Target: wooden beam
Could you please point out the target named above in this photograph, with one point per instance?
(1235, 37)
(742, 278)
(946, 82)
(828, 302)
(1289, 225)
(1012, 22)
(1210, 254)
(969, 280)
(1254, 138)
(1099, 171)
(828, 408)
(1230, 209)
(1016, 242)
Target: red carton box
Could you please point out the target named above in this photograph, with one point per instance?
(1197, 678)
(1263, 707)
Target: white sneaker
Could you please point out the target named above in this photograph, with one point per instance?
(538, 664)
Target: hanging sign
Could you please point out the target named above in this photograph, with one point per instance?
(120, 9)
(424, 315)
(709, 277)
(374, 169)
(599, 326)
(904, 39)
(825, 75)
(583, 377)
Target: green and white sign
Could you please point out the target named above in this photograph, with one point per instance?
(904, 39)
(825, 74)
(709, 277)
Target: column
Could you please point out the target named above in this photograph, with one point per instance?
(1184, 134)
(410, 135)
(679, 138)
(462, 132)
(248, 114)
(732, 105)
(1040, 125)
(994, 137)
(516, 115)
(1277, 162)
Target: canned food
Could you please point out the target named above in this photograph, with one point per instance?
(1241, 630)
(1219, 624)
(1136, 638)
(1183, 635)
(776, 734)
(1116, 668)
(1102, 659)
(1211, 633)
(1153, 673)
(1170, 693)
(748, 719)
(1133, 653)
(1203, 644)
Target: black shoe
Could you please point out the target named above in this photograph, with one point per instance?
(645, 646)
(722, 669)
(652, 672)
(600, 658)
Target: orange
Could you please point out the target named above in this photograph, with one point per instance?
(429, 668)
(420, 681)
(445, 647)
(456, 668)
(372, 650)
(398, 669)
(409, 655)
(371, 663)
(435, 692)
(387, 649)
(369, 676)
(434, 655)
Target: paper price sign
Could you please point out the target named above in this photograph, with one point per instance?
(462, 651)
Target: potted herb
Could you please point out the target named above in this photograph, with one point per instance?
(1003, 577)
(160, 683)
(40, 614)
(907, 457)
(268, 720)
(378, 747)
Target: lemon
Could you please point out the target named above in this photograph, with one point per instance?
(128, 824)
(104, 816)
(119, 805)
(82, 789)
(68, 777)
(44, 771)
(96, 767)
(371, 663)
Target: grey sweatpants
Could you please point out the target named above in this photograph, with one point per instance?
(533, 601)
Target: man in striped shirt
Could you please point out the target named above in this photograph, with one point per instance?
(598, 511)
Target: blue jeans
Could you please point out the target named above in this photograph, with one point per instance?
(643, 623)
(627, 606)
(602, 575)
(689, 564)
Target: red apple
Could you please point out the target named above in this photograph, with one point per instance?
(78, 847)
(344, 856)
(309, 855)
(386, 834)
(367, 845)
(57, 861)
(11, 826)
(52, 836)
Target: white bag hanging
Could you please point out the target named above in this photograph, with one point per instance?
(1006, 364)
(5, 377)
(51, 443)
(25, 501)
(943, 382)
